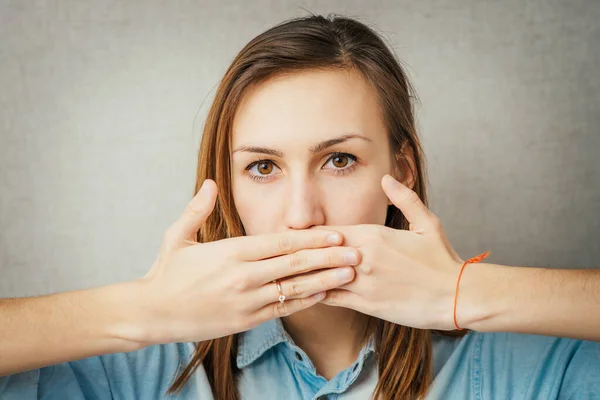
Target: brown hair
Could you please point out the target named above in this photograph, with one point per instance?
(313, 42)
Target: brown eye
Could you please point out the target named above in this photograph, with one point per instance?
(340, 161)
(265, 168)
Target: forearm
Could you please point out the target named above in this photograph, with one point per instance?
(545, 301)
(46, 330)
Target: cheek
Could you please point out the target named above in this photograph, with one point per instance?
(365, 203)
(258, 208)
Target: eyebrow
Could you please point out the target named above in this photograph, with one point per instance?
(313, 149)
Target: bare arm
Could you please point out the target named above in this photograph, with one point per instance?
(545, 301)
(45, 330)
(192, 293)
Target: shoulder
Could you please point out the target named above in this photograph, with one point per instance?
(145, 373)
(512, 365)
(523, 351)
(157, 359)
(542, 365)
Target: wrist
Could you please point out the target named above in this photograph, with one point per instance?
(127, 318)
(486, 296)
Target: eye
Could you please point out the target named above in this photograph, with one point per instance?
(341, 161)
(264, 167)
(261, 170)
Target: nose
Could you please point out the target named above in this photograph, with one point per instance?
(304, 208)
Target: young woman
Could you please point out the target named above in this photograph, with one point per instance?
(306, 183)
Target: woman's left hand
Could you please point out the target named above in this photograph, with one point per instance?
(406, 276)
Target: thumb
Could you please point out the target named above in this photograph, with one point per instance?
(195, 214)
(417, 214)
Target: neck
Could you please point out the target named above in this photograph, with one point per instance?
(331, 336)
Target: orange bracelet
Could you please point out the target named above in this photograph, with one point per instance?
(470, 260)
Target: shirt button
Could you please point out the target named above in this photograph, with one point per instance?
(299, 357)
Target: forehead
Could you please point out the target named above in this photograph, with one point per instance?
(307, 106)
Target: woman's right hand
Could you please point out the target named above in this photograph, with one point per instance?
(201, 291)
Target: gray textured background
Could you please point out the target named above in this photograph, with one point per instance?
(102, 105)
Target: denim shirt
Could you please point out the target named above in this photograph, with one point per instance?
(476, 366)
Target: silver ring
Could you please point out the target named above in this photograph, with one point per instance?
(281, 296)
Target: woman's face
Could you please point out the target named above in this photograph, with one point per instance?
(309, 149)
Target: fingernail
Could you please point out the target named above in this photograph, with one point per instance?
(334, 238)
(350, 258)
(343, 274)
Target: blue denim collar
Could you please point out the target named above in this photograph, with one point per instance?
(252, 344)
(255, 342)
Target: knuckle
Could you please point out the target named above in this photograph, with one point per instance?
(367, 269)
(233, 254)
(302, 304)
(284, 243)
(191, 211)
(382, 232)
(436, 223)
(412, 197)
(240, 283)
(331, 259)
(280, 310)
(295, 288)
(333, 297)
(296, 260)
(325, 283)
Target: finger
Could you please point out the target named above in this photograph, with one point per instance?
(259, 247)
(344, 298)
(304, 285)
(302, 261)
(278, 309)
(419, 216)
(195, 214)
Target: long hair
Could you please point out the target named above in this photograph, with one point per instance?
(309, 43)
